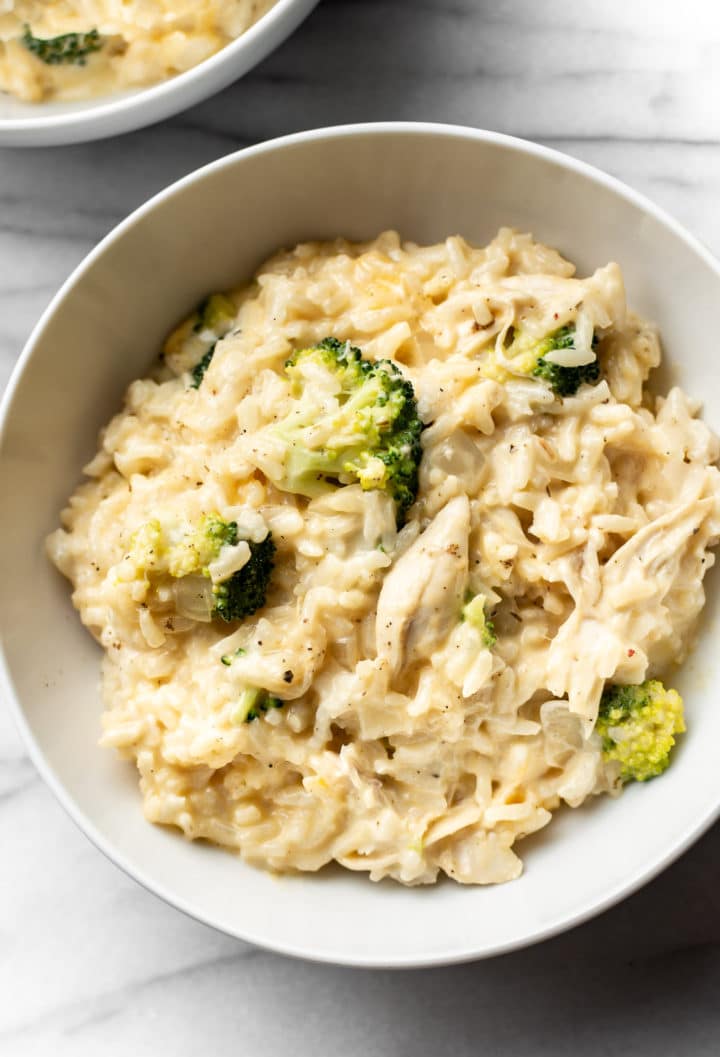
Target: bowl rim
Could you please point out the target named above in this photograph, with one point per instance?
(122, 112)
(593, 906)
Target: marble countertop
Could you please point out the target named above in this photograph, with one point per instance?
(91, 963)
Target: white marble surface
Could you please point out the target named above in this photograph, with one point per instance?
(89, 962)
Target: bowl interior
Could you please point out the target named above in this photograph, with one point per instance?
(207, 233)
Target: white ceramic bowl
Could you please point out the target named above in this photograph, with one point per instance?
(50, 124)
(102, 330)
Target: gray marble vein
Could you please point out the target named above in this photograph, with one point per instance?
(91, 963)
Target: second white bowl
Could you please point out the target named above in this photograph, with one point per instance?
(50, 124)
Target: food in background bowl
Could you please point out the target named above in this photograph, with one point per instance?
(389, 554)
(67, 50)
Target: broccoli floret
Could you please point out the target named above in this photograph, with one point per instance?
(564, 381)
(69, 48)
(244, 592)
(370, 434)
(190, 347)
(192, 550)
(148, 548)
(215, 313)
(179, 553)
(638, 725)
(474, 612)
(253, 702)
(213, 319)
(527, 355)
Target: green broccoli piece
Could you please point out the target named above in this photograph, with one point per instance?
(527, 355)
(67, 49)
(198, 371)
(564, 381)
(217, 532)
(474, 612)
(638, 725)
(253, 703)
(213, 319)
(215, 313)
(372, 434)
(244, 592)
(157, 551)
(228, 658)
(191, 550)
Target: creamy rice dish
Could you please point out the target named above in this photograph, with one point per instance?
(75, 49)
(389, 555)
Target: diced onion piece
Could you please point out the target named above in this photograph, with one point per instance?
(584, 333)
(230, 560)
(150, 629)
(194, 598)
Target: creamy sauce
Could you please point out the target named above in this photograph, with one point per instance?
(407, 745)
